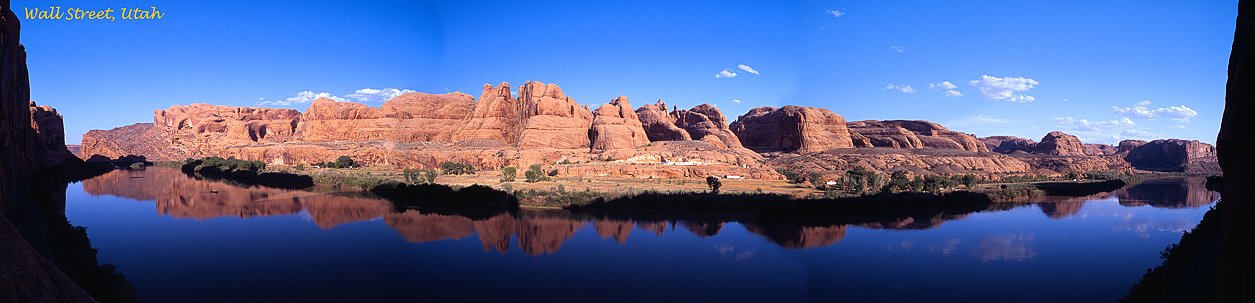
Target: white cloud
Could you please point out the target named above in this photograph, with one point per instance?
(725, 73)
(301, 98)
(1142, 110)
(836, 13)
(1107, 131)
(899, 49)
(737, 101)
(946, 88)
(377, 95)
(1006, 89)
(747, 68)
(905, 89)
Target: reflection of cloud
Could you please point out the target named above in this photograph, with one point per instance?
(745, 255)
(904, 245)
(1007, 247)
(730, 250)
(724, 249)
(1143, 227)
(946, 247)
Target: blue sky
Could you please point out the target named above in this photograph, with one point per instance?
(1104, 71)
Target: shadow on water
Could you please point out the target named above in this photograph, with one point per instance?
(43, 223)
(430, 213)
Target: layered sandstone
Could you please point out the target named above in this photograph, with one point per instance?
(1008, 144)
(495, 118)
(551, 119)
(792, 129)
(407, 118)
(915, 134)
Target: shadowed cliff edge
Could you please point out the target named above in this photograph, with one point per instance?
(1236, 278)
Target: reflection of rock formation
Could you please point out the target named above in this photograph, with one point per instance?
(800, 236)
(704, 229)
(619, 230)
(417, 228)
(1191, 193)
(330, 211)
(1060, 210)
(495, 233)
(545, 234)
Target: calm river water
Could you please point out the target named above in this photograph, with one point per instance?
(179, 239)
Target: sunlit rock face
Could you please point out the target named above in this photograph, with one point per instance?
(1174, 155)
(915, 134)
(791, 129)
(616, 126)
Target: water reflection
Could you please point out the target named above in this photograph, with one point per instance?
(539, 232)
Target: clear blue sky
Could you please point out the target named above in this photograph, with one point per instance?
(1022, 68)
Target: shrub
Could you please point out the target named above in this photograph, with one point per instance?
(899, 182)
(714, 184)
(1103, 175)
(535, 174)
(815, 178)
(508, 173)
(792, 176)
(137, 165)
(345, 162)
(419, 176)
(299, 167)
(454, 168)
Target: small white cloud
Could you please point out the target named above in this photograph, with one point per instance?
(898, 49)
(946, 88)
(747, 68)
(737, 101)
(1006, 89)
(1106, 131)
(1142, 110)
(377, 95)
(725, 73)
(301, 98)
(836, 13)
(905, 89)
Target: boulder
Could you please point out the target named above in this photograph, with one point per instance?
(791, 129)
(616, 126)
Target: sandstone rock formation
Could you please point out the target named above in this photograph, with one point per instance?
(1099, 149)
(915, 134)
(494, 120)
(659, 125)
(792, 129)
(1126, 146)
(27, 144)
(1058, 143)
(705, 122)
(1008, 144)
(1189, 156)
(616, 126)
(409, 117)
(551, 119)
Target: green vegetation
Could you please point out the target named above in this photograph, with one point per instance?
(138, 165)
(341, 162)
(419, 176)
(714, 184)
(534, 174)
(219, 164)
(1104, 175)
(454, 168)
(508, 173)
(792, 176)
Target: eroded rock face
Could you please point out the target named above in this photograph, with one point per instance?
(915, 134)
(1008, 144)
(792, 129)
(495, 119)
(659, 125)
(616, 126)
(50, 130)
(1057, 143)
(1175, 155)
(705, 122)
(1128, 145)
(411, 117)
(1099, 149)
(551, 119)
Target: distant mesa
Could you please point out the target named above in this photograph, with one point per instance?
(542, 125)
